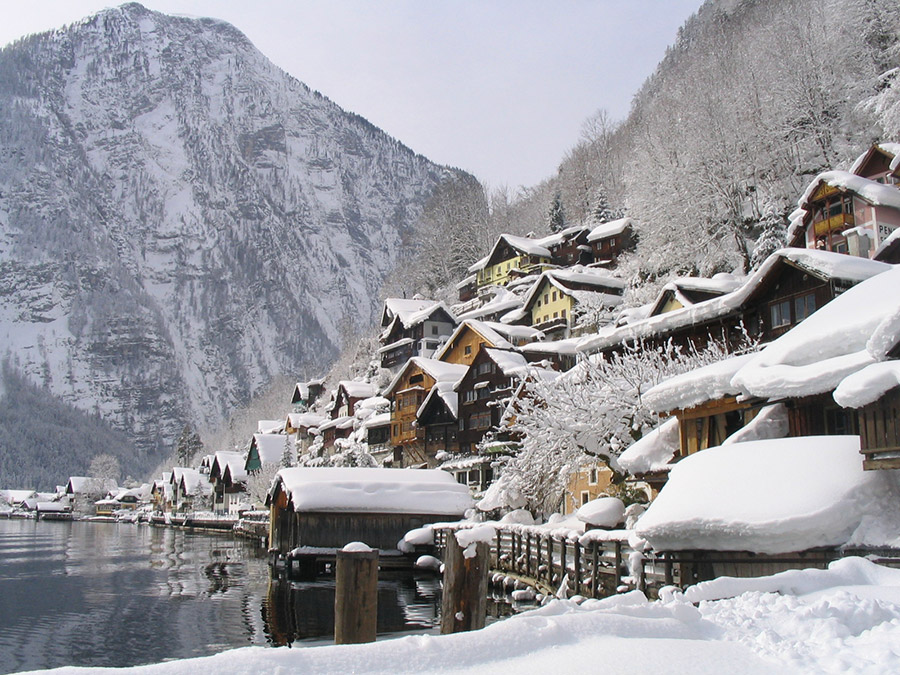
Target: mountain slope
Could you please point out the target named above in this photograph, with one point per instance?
(180, 220)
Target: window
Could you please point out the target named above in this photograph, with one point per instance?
(475, 476)
(415, 379)
(434, 329)
(484, 393)
(592, 477)
(780, 313)
(468, 396)
(563, 314)
(546, 298)
(468, 349)
(612, 242)
(554, 296)
(461, 477)
(555, 315)
(487, 367)
(396, 430)
(480, 420)
(804, 305)
(585, 497)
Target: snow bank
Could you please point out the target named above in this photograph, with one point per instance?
(772, 496)
(654, 451)
(602, 512)
(375, 490)
(844, 619)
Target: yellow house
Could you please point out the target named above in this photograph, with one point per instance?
(511, 255)
(586, 484)
(557, 294)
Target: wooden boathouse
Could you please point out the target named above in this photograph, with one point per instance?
(316, 511)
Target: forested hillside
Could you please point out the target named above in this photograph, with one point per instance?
(754, 98)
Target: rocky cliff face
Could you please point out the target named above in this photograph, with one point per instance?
(180, 220)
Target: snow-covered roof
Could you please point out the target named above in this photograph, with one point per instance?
(567, 347)
(610, 229)
(424, 491)
(504, 300)
(857, 328)
(269, 426)
(375, 421)
(772, 496)
(497, 334)
(77, 484)
(16, 496)
(224, 458)
(873, 192)
(447, 393)
(305, 420)
(358, 390)
(439, 371)
(654, 451)
(270, 447)
(697, 386)
(403, 308)
(824, 264)
(509, 362)
(410, 319)
(578, 277)
(868, 385)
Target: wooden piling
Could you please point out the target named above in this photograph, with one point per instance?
(355, 597)
(464, 601)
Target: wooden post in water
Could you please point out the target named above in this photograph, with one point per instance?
(464, 602)
(355, 596)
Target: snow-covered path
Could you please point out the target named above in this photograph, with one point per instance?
(845, 619)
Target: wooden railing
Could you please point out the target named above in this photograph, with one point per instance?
(552, 563)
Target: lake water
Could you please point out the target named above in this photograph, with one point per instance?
(106, 594)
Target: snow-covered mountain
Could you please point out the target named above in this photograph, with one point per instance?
(180, 220)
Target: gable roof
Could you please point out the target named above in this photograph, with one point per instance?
(689, 291)
(496, 334)
(445, 392)
(575, 279)
(610, 229)
(404, 308)
(269, 448)
(439, 371)
(222, 459)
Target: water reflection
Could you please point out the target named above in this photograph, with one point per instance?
(106, 594)
(304, 611)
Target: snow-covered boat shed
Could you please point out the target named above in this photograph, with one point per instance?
(327, 508)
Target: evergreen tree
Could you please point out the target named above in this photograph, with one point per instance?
(602, 212)
(556, 217)
(189, 446)
(287, 457)
(772, 237)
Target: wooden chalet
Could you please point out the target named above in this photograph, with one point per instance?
(347, 395)
(438, 422)
(554, 300)
(317, 510)
(511, 256)
(854, 211)
(608, 241)
(407, 392)
(413, 328)
(228, 479)
(472, 335)
(161, 493)
(188, 485)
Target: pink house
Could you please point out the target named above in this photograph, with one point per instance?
(854, 211)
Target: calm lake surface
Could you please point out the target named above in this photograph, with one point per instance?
(106, 594)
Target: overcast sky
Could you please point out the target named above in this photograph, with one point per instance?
(498, 87)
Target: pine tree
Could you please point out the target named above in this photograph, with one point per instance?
(556, 217)
(772, 237)
(602, 212)
(287, 457)
(189, 446)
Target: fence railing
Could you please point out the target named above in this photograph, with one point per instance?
(568, 565)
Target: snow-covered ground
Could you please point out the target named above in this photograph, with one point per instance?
(844, 619)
